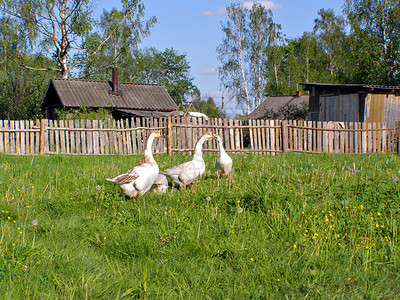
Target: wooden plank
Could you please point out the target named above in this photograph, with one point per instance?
(16, 138)
(263, 129)
(3, 137)
(319, 137)
(62, 136)
(30, 137)
(89, 136)
(133, 136)
(82, 125)
(384, 139)
(22, 137)
(240, 123)
(96, 138)
(370, 138)
(309, 135)
(379, 138)
(67, 137)
(226, 134)
(2, 140)
(231, 134)
(7, 137)
(72, 136)
(273, 145)
(78, 146)
(363, 138)
(237, 135)
(37, 137)
(295, 132)
(118, 139)
(251, 134)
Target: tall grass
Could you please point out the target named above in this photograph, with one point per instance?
(291, 225)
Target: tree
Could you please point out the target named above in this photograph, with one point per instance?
(275, 54)
(231, 53)
(288, 112)
(168, 68)
(259, 37)
(207, 107)
(374, 42)
(331, 35)
(249, 36)
(64, 29)
(21, 89)
(124, 36)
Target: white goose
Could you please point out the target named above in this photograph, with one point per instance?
(138, 181)
(223, 165)
(189, 171)
(160, 185)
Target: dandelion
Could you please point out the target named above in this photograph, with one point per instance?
(252, 259)
(278, 280)
(208, 198)
(104, 238)
(379, 214)
(294, 246)
(239, 210)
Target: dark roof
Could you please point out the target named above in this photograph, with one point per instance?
(274, 103)
(147, 113)
(74, 93)
(366, 87)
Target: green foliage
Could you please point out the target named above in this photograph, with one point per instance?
(289, 112)
(250, 36)
(207, 107)
(84, 113)
(373, 45)
(290, 225)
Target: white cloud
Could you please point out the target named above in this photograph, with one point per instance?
(212, 71)
(266, 3)
(219, 12)
(247, 4)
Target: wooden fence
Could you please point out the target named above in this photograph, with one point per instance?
(126, 137)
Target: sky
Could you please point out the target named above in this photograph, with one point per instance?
(193, 27)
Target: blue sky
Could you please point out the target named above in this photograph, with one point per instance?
(194, 28)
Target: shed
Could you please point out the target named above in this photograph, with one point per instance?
(274, 103)
(353, 102)
(121, 99)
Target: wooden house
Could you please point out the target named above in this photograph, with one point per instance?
(274, 103)
(353, 102)
(121, 99)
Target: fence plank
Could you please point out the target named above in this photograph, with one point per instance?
(111, 137)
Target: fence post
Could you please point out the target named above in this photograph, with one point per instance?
(284, 135)
(397, 138)
(169, 136)
(42, 135)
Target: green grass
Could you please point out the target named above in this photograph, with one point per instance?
(290, 226)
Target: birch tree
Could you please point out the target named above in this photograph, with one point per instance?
(248, 34)
(60, 28)
(259, 37)
(232, 52)
(330, 30)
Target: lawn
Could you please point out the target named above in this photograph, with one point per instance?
(290, 225)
